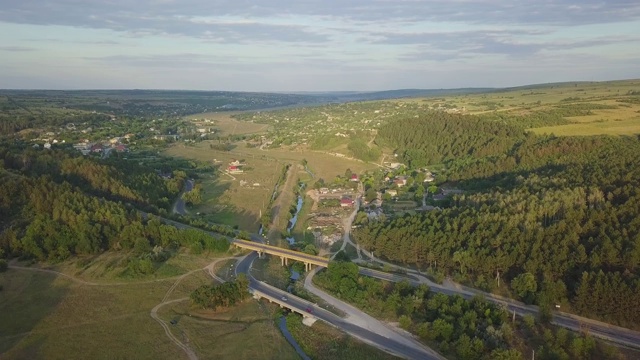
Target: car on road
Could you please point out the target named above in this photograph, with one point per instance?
(284, 298)
(309, 310)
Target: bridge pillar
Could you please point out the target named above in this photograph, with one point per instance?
(308, 320)
(284, 261)
(257, 296)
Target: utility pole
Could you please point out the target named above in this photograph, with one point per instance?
(533, 356)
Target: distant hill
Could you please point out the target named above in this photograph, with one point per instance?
(347, 96)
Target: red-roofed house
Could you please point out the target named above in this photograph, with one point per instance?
(233, 169)
(346, 202)
(121, 148)
(354, 177)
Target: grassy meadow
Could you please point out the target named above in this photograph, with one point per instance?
(46, 316)
(225, 124)
(243, 332)
(49, 316)
(226, 201)
(622, 117)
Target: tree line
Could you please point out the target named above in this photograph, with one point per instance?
(463, 329)
(224, 295)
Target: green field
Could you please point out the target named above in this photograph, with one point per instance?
(48, 316)
(226, 124)
(605, 127)
(226, 201)
(246, 331)
(622, 118)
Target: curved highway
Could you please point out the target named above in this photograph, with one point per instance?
(612, 333)
(370, 337)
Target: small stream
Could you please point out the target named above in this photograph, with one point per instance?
(309, 171)
(283, 327)
(294, 219)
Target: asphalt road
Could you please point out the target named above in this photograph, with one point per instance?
(365, 335)
(612, 333)
(179, 207)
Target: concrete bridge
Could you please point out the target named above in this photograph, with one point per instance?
(292, 303)
(284, 254)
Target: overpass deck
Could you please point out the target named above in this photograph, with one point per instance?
(283, 253)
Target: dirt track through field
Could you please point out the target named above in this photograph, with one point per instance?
(292, 172)
(209, 269)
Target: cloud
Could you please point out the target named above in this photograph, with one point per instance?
(16, 48)
(184, 18)
(304, 21)
(444, 46)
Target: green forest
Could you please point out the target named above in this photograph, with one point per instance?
(558, 219)
(54, 205)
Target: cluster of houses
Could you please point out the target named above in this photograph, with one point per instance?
(86, 147)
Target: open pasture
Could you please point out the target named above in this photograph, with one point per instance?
(226, 124)
(224, 198)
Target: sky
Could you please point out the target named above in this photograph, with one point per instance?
(308, 45)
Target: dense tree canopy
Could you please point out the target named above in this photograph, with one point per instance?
(49, 209)
(438, 136)
(558, 218)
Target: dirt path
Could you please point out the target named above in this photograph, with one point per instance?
(154, 314)
(89, 283)
(209, 269)
(165, 301)
(278, 204)
(313, 194)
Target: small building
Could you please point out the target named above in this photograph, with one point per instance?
(47, 145)
(354, 178)
(391, 192)
(121, 148)
(400, 181)
(346, 202)
(96, 148)
(166, 137)
(324, 190)
(234, 169)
